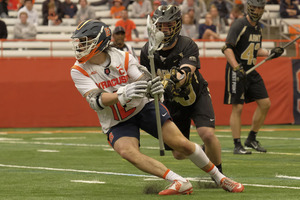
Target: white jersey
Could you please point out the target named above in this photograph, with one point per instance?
(119, 71)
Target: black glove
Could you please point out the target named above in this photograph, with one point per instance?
(172, 86)
(277, 51)
(240, 73)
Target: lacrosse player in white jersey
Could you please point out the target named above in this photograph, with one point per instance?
(121, 91)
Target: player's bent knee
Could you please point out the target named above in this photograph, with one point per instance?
(185, 147)
(128, 154)
(206, 134)
(178, 156)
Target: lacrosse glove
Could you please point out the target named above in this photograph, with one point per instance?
(240, 73)
(277, 51)
(172, 86)
(155, 87)
(133, 90)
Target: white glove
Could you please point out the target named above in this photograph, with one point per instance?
(155, 87)
(136, 89)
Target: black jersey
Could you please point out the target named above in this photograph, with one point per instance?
(246, 40)
(185, 52)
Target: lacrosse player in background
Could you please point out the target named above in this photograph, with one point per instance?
(186, 93)
(120, 90)
(119, 41)
(243, 45)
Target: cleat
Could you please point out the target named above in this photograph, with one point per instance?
(178, 187)
(231, 186)
(241, 150)
(255, 145)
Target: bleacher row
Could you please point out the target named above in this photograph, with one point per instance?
(64, 48)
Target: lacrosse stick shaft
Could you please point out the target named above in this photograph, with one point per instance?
(270, 56)
(157, 113)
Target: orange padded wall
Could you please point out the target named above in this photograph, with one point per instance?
(39, 92)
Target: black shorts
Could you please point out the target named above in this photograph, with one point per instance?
(145, 120)
(239, 92)
(201, 112)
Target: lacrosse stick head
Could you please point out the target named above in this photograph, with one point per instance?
(155, 37)
(168, 20)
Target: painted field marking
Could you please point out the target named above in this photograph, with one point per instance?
(56, 144)
(60, 138)
(288, 177)
(134, 175)
(108, 149)
(10, 139)
(50, 132)
(107, 146)
(267, 138)
(272, 186)
(82, 181)
(100, 131)
(273, 153)
(47, 151)
(74, 170)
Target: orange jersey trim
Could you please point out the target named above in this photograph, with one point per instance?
(126, 60)
(81, 70)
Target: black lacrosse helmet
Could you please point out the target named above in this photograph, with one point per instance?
(252, 5)
(170, 15)
(90, 38)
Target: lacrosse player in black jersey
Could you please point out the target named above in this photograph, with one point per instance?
(243, 45)
(186, 93)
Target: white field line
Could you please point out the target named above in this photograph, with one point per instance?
(60, 138)
(273, 153)
(99, 131)
(82, 181)
(288, 177)
(266, 138)
(47, 151)
(272, 186)
(66, 144)
(74, 170)
(56, 144)
(107, 146)
(10, 139)
(134, 175)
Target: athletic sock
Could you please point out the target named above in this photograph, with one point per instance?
(252, 135)
(215, 174)
(171, 176)
(237, 142)
(199, 158)
(220, 168)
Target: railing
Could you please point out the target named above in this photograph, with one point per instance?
(63, 48)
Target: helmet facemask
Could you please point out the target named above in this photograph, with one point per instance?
(171, 31)
(255, 9)
(168, 20)
(85, 45)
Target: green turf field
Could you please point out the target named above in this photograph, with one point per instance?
(78, 163)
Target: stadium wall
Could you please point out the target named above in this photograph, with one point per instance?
(39, 92)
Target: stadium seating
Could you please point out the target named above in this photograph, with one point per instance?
(63, 48)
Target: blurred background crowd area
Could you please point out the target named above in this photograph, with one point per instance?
(217, 15)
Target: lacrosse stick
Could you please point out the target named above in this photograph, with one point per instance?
(154, 43)
(270, 56)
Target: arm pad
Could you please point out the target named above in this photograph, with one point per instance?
(94, 99)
